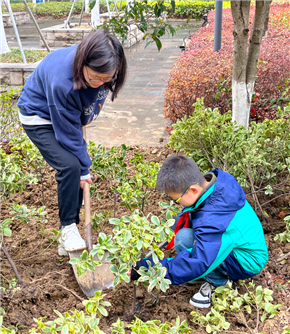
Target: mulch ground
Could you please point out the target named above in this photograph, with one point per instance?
(50, 283)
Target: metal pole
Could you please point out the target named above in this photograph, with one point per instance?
(81, 17)
(218, 24)
(37, 26)
(16, 31)
(72, 7)
(109, 12)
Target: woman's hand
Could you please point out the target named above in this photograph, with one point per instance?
(89, 181)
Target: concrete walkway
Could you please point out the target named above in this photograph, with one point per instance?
(136, 116)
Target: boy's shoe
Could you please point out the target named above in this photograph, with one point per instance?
(202, 299)
(70, 240)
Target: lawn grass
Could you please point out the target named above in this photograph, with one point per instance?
(14, 56)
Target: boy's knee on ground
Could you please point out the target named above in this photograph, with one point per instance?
(184, 239)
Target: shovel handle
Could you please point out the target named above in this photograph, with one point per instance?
(162, 245)
(88, 225)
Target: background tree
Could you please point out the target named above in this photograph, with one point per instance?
(246, 58)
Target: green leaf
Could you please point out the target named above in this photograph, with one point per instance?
(155, 220)
(84, 255)
(103, 311)
(64, 330)
(128, 236)
(208, 329)
(114, 269)
(7, 232)
(158, 43)
(74, 261)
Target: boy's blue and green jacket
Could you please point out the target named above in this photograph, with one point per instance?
(226, 229)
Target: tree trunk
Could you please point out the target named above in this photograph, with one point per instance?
(245, 63)
(95, 14)
(87, 6)
(4, 48)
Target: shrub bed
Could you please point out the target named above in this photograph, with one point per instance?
(201, 72)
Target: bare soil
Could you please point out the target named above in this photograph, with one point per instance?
(50, 283)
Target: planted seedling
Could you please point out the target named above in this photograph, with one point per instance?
(227, 302)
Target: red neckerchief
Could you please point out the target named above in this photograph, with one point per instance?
(183, 222)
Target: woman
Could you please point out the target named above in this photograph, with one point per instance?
(65, 92)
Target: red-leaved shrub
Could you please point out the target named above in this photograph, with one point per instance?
(201, 72)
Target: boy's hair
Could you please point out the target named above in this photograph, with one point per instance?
(177, 174)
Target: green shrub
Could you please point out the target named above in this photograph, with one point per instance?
(253, 156)
(10, 124)
(183, 9)
(202, 72)
(51, 9)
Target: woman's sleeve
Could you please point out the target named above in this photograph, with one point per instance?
(66, 122)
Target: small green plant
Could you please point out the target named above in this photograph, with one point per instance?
(132, 236)
(76, 322)
(135, 191)
(12, 286)
(24, 214)
(108, 165)
(284, 236)
(154, 326)
(155, 276)
(86, 262)
(70, 323)
(4, 229)
(99, 218)
(96, 305)
(227, 302)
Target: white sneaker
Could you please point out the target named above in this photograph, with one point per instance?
(62, 251)
(71, 239)
(202, 299)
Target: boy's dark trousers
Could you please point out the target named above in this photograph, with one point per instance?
(70, 194)
(185, 239)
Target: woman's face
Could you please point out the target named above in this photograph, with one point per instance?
(96, 79)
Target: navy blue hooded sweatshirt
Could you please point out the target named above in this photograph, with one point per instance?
(49, 94)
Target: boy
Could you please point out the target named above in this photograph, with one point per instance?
(222, 238)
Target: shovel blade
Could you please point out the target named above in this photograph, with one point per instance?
(96, 280)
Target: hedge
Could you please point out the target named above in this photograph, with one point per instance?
(201, 72)
(49, 9)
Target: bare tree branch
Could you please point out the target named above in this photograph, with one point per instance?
(20, 281)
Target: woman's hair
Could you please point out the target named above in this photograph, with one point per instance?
(102, 53)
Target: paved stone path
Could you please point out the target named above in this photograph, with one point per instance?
(136, 116)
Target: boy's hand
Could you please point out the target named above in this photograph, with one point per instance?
(133, 274)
